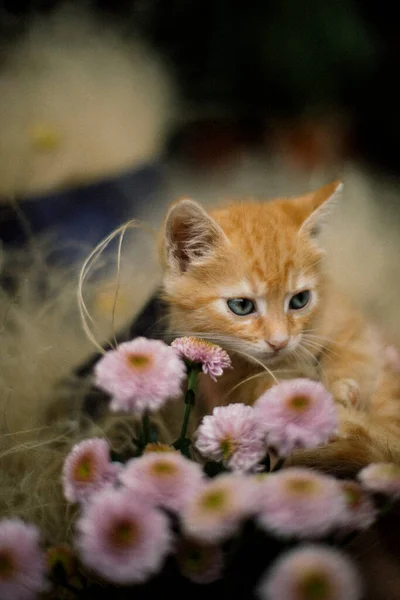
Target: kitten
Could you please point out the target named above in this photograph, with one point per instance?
(252, 278)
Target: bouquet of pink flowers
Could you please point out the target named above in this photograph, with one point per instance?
(216, 509)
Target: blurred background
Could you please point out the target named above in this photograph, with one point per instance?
(111, 109)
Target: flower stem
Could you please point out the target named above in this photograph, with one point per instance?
(185, 422)
(182, 442)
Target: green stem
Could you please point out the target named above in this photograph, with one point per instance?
(192, 379)
(190, 398)
(185, 422)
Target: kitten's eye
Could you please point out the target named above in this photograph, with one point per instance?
(299, 300)
(241, 306)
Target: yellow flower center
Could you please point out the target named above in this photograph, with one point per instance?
(227, 447)
(315, 586)
(299, 403)
(124, 534)
(163, 467)
(158, 447)
(352, 494)
(200, 343)
(301, 486)
(84, 470)
(214, 500)
(6, 565)
(138, 361)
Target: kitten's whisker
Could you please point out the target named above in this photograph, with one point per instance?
(254, 359)
(308, 352)
(230, 344)
(319, 366)
(307, 357)
(235, 387)
(297, 356)
(262, 374)
(301, 356)
(309, 333)
(320, 346)
(160, 320)
(322, 343)
(313, 343)
(199, 334)
(319, 350)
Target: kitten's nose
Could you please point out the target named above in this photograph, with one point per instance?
(278, 344)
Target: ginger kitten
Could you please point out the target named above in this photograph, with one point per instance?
(251, 277)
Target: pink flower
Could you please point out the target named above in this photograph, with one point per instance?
(361, 512)
(311, 572)
(232, 435)
(298, 502)
(381, 477)
(140, 375)
(166, 479)
(216, 511)
(87, 469)
(296, 414)
(201, 563)
(22, 563)
(122, 539)
(212, 358)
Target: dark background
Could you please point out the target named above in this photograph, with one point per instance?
(265, 64)
(312, 81)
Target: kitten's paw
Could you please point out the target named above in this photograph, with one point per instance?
(347, 392)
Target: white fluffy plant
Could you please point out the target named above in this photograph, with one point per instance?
(79, 103)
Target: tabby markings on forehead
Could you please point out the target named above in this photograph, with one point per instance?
(243, 289)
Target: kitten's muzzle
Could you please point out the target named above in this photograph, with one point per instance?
(278, 344)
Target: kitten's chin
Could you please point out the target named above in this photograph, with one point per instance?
(277, 357)
(271, 359)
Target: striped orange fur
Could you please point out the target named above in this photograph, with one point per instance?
(267, 253)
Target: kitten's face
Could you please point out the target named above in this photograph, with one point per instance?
(247, 276)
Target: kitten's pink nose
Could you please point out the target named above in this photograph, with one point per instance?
(278, 344)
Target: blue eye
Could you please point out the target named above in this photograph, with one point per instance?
(300, 300)
(241, 306)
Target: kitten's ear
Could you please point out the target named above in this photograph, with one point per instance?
(190, 235)
(318, 206)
